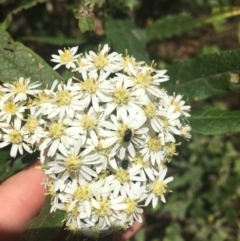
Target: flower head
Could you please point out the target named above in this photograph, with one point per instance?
(15, 135)
(66, 57)
(105, 137)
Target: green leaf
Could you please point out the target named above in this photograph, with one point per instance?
(16, 61)
(29, 4)
(205, 76)
(10, 166)
(172, 25)
(86, 24)
(124, 35)
(45, 226)
(212, 121)
(177, 24)
(5, 164)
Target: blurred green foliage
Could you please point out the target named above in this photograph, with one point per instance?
(204, 204)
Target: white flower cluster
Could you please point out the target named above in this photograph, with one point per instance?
(105, 137)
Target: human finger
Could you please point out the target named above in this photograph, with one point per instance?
(21, 199)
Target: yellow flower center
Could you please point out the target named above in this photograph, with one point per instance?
(159, 188)
(10, 108)
(154, 144)
(15, 136)
(72, 163)
(131, 205)
(140, 161)
(121, 96)
(150, 110)
(122, 175)
(19, 87)
(90, 86)
(63, 97)
(66, 56)
(100, 61)
(83, 192)
(31, 124)
(57, 130)
(88, 122)
(129, 60)
(42, 98)
(104, 207)
(143, 80)
(171, 149)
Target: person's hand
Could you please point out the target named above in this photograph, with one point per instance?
(21, 199)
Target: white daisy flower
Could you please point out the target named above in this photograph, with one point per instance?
(176, 104)
(20, 89)
(121, 177)
(16, 136)
(103, 155)
(124, 133)
(84, 193)
(64, 102)
(40, 101)
(75, 213)
(56, 132)
(185, 131)
(106, 206)
(158, 188)
(102, 61)
(153, 149)
(148, 171)
(66, 57)
(87, 125)
(153, 114)
(149, 80)
(124, 98)
(74, 161)
(167, 123)
(11, 110)
(129, 63)
(94, 89)
(135, 194)
(34, 127)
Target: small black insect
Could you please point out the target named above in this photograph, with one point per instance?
(125, 164)
(153, 73)
(127, 136)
